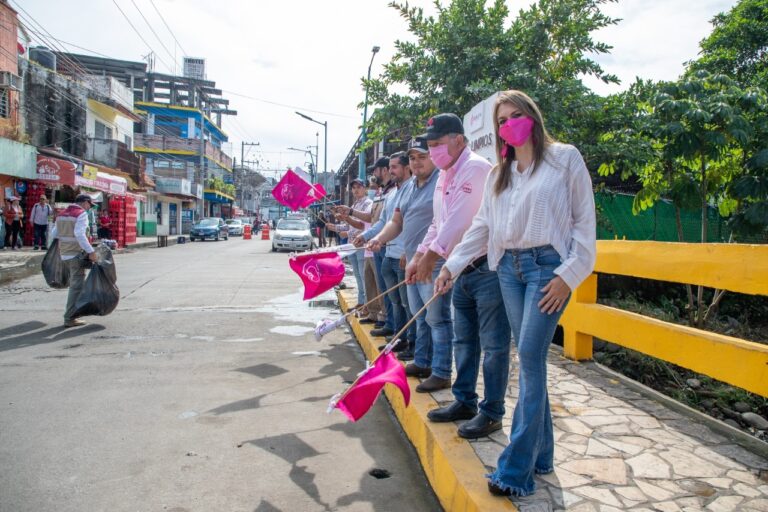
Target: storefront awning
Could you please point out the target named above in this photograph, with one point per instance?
(56, 171)
(214, 196)
(104, 182)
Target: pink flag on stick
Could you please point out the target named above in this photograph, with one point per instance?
(315, 194)
(318, 272)
(292, 190)
(359, 398)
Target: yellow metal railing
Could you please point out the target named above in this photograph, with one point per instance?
(733, 267)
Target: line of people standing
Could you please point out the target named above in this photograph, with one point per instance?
(502, 247)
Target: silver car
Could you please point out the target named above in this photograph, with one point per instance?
(235, 227)
(292, 235)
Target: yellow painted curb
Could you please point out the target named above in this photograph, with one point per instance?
(454, 471)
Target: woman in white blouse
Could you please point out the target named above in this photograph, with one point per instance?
(538, 220)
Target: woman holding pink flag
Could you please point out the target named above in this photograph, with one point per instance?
(537, 219)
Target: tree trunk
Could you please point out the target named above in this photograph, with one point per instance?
(704, 229)
(688, 287)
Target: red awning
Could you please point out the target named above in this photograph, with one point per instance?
(55, 170)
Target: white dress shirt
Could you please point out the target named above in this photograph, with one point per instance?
(553, 205)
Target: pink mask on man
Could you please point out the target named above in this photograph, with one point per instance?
(515, 132)
(440, 156)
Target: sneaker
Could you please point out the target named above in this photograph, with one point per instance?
(34, 248)
(75, 322)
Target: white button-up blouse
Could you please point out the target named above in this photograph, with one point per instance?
(553, 205)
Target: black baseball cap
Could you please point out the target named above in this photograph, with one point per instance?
(84, 197)
(418, 144)
(381, 162)
(443, 124)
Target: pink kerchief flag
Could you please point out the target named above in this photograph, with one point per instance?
(318, 272)
(359, 398)
(292, 190)
(316, 193)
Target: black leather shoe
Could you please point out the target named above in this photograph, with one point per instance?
(479, 426)
(412, 370)
(382, 332)
(433, 383)
(406, 355)
(498, 491)
(453, 412)
(366, 321)
(379, 325)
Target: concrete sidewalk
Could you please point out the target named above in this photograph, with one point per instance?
(25, 262)
(619, 446)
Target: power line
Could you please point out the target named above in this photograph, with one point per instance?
(168, 27)
(140, 36)
(173, 57)
(294, 107)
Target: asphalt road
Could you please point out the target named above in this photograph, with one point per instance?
(204, 391)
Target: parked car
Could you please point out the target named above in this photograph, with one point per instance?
(235, 227)
(292, 234)
(209, 227)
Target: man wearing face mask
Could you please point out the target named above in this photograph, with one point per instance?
(392, 270)
(456, 200)
(410, 221)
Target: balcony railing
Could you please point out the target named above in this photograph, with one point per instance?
(180, 145)
(114, 154)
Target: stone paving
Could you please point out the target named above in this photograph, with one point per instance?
(617, 450)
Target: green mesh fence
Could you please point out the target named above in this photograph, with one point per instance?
(616, 220)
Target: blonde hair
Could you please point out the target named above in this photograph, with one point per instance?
(539, 135)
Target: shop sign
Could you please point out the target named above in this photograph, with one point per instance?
(89, 172)
(55, 170)
(173, 186)
(21, 187)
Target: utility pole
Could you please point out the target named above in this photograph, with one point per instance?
(242, 162)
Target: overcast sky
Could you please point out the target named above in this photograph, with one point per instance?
(272, 58)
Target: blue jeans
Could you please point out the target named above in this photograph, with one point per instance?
(401, 313)
(434, 351)
(357, 260)
(522, 275)
(480, 325)
(378, 261)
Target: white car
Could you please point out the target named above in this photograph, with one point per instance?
(235, 226)
(293, 235)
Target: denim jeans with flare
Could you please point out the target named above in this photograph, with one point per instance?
(522, 275)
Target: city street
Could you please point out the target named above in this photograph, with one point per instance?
(204, 391)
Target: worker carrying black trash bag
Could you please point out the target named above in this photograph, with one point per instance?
(76, 253)
(100, 294)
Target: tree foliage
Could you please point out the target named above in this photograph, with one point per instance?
(467, 51)
(738, 44)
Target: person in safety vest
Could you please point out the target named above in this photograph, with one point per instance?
(70, 229)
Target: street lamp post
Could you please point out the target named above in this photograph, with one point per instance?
(325, 138)
(361, 158)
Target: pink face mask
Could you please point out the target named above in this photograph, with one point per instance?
(440, 156)
(515, 132)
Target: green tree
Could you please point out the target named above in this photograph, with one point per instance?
(467, 51)
(738, 44)
(691, 142)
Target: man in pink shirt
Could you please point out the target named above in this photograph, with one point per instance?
(457, 197)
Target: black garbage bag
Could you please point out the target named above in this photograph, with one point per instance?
(100, 294)
(55, 271)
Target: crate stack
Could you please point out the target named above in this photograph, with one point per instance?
(130, 220)
(32, 197)
(117, 207)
